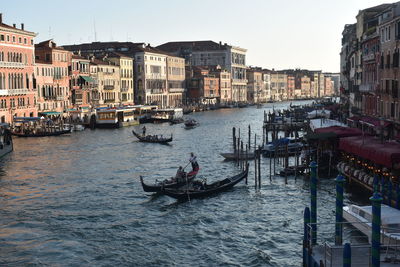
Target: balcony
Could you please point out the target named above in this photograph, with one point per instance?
(17, 65)
(9, 92)
(108, 87)
(124, 89)
(369, 57)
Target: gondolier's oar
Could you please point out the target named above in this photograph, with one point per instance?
(186, 165)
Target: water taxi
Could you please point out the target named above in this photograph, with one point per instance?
(165, 115)
(116, 117)
(361, 218)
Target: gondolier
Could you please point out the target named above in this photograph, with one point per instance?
(193, 161)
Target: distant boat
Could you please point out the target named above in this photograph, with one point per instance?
(6, 142)
(198, 189)
(234, 156)
(191, 123)
(152, 139)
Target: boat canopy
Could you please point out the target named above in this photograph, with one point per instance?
(49, 113)
(340, 131)
(370, 148)
(323, 123)
(25, 119)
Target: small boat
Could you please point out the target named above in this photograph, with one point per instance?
(234, 156)
(169, 183)
(191, 123)
(152, 138)
(6, 142)
(361, 218)
(293, 145)
(198, 189)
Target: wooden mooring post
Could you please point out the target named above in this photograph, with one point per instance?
(259, 166)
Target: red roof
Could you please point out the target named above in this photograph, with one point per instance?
(370, 148)
(372, 121)
(340, 131)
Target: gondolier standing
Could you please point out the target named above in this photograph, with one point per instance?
(193, 160)
(144, 130)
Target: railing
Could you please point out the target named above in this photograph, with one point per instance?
(5, 92)
(6, 64)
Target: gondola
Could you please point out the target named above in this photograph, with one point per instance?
(176, 121)
(152, 139)
(189, 124)
(41, 134)
(200, 190)
(170, 183)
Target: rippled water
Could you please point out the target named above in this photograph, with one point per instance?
(77, 201)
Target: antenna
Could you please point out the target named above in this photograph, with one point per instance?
(94, 28)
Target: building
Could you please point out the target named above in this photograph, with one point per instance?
(279, 85)
(176, 80)
(211, 54)
(81, 83)
(17, 88)
(225, 85)
(291, 86)
(202, 86)
(256, 92)
(126, 65)
(106, 76)
(57, 60)
(266, 77)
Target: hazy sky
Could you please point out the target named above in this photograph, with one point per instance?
(277, 33)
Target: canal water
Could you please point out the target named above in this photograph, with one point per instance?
(76, 200)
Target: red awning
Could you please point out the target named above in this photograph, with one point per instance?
(340, 131)
(370, 148)
(369, 120)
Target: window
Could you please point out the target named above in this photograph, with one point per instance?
(8, 38)
(2, 37)
(19, 40)
(13, 39)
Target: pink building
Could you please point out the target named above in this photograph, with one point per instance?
(52, 98)
(82, 84)
(17, 94)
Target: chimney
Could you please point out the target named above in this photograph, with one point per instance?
(22, 26)
(14, 25)
(1, 18)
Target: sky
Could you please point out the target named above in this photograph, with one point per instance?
(279, 34)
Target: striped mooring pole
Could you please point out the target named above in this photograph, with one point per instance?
(306, 242)
(313, 190)
(376, 200)
(347, 255)
(339, 210)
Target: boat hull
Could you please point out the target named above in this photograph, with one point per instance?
(154, 188)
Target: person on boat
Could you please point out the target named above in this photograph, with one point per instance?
(144, 130)
(180, 173)
(193, 161)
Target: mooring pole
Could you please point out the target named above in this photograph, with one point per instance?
(259, 166)
(313, 191)
(306, 241)
(234, 139)
(376, 200)
(339, 210)
(246, 159)
(347, 255)
(250, 137)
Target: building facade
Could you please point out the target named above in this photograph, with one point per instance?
(17, 88)
(126, 65)
(57, 60)
(81, 83)
(255, 86)
(176, 80)
(106, 76)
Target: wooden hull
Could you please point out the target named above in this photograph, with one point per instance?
(159, 186)
(209, 190)
(147, 140)
(42, 134)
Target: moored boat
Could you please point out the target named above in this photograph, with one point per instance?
(37, 127)
(152, 138)
(198, 189)
(293, 146)
(234, 156)
(361, 218)
(191, 123)
(6, 142)
(168, 183)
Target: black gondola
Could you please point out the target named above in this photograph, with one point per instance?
(152, 139)
(189, 124)
(199, 190)
(41, 134)
(170, 183)
(176, 121)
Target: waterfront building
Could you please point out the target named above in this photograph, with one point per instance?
(305, 86)
(106, 76)
(255, 85)
(81, 83)
(17, 88)
(225, 86)
(328, 86)
(290, 86)
(53, 64)
(125, 63)
(176, 80)
(266, 77)
(335, 79)
(279, 85)
(209, 53)
(202, 86)
(150, 70)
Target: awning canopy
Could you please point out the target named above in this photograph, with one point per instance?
(370, 148)
(340, 131)
(373, 122)
(88, 79)
(49, 113)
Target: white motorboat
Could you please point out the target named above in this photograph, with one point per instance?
(361, 218)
